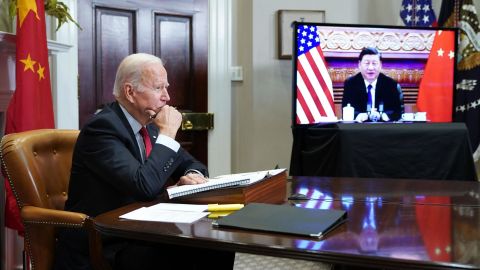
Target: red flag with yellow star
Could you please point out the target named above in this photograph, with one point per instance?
(31, 105)
(435, 94)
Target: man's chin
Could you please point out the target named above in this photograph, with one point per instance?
(157, 109)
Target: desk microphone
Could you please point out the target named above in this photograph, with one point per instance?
(380, 109)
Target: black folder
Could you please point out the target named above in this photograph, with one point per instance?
(283, 219)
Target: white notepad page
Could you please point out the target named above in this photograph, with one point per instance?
(228, 180)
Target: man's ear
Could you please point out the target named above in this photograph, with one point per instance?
(129, 92)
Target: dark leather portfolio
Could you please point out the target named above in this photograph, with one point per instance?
(283, 219)
(269, 190)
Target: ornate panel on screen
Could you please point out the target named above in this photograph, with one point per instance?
(115, 33)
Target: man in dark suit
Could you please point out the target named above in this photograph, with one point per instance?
(373, 95)
(116, 162)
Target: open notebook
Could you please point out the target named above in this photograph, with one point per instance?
(222, 181)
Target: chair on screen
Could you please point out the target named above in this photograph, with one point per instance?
(37, 164)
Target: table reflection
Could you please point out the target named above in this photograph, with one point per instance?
(390, 190)
(417, 232)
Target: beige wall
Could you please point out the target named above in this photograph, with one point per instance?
(261, 103)
(261, 134)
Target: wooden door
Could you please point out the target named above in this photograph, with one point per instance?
(174, 30)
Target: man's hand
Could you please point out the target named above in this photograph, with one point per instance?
(190, 179)
(361, 117)
(168, 121)
(374, 115)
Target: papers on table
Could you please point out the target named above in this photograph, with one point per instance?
(169, 212)
(180, 207)
(214, 183)
(179, 212)
(253, 176)
(222, 181)
(189, 213)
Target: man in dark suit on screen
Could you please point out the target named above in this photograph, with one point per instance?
(126, 153)
(373, 95)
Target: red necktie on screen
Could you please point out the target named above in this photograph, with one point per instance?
(146, 141)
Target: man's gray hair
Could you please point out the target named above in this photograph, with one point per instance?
(130, 70)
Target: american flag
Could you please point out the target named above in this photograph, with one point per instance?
(418, 13)
(467, 73)
(314, 86)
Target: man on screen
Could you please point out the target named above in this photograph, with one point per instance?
(373, 95)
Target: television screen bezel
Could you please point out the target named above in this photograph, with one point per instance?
(295, 25)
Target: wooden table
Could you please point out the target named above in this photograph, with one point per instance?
(382, 231)
(400, 191)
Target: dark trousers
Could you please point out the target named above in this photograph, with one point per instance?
(144, 255)
(130, 255)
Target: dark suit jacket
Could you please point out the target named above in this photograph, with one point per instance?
(107, 172)
(387, 91)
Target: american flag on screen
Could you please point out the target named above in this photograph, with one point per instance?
(314, 86)
(418, 13)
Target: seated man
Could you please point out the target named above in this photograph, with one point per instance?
(126, 153)
(373, 95)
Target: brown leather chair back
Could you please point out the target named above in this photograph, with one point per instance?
(37, 164)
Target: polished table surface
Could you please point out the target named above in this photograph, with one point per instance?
(393, 150)
(385, 229)
(388, 190)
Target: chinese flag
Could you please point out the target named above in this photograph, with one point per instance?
(435, 94)
(434, 219)
(31, 104)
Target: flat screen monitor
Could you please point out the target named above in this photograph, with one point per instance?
(413, 76)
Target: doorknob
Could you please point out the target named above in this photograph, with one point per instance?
(197, 121)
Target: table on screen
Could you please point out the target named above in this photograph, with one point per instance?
(393, 150)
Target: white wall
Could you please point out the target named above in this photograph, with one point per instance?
(65, 81)
(261, 103)
(219, 87)
(262, 112)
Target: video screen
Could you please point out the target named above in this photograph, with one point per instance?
(361, 73)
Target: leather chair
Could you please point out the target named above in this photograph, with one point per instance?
(37, 164)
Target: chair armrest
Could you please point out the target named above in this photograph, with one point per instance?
(60, 218)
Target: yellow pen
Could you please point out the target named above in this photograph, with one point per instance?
(224, 207)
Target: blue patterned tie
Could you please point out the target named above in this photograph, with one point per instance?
(369, 101)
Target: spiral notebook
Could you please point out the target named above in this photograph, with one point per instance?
(213, 183)
(223, 181)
